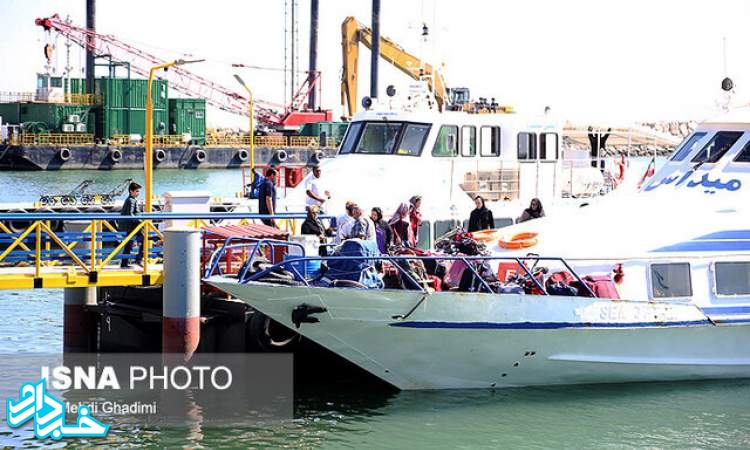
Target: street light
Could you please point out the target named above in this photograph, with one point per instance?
(148, 157)
(251, 132)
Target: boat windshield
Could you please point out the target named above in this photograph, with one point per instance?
(385, 138)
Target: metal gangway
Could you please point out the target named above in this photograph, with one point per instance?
(89, 250)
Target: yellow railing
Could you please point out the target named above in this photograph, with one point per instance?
(97, 259)
(169, 139)
(53, 139)
(83, 99)
(268, 141)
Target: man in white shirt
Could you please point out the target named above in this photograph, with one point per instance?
(315, 193)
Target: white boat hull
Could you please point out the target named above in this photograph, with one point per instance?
(468, 340)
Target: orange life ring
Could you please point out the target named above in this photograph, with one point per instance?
(520, 240)
(485, 235)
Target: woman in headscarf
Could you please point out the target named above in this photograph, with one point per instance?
(415, 215)
(383, 232)
(312, 224)
(402, 230)
(534, 211)
(481, 217)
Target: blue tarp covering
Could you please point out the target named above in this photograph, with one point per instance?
(360, 270)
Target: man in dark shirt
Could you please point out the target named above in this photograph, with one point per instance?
(130, 208)
(267, 196)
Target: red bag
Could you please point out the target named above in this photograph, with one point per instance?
(603, 286)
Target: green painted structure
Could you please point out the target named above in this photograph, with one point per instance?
(335, 130)
(188, 115)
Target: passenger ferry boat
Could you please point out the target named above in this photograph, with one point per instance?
(398, 149)
(673, 260)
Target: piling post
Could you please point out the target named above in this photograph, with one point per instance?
(181, 293)
(79, 326)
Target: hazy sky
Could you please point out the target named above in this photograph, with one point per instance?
(590, 60)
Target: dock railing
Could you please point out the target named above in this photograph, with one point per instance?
(85, 245)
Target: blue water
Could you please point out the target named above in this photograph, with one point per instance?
(654, 415)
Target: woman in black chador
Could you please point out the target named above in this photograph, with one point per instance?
(481, 217)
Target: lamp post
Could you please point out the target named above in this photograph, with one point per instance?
(148, 157)
(148, 160)
(250, 111)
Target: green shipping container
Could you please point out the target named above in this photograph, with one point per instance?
(334, 130)
(10, 112)
(188, 115)
(129, 121)
(131, 93)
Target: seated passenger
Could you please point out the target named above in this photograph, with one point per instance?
(401, 226)
(534, 211)
(481, 217)
(313, 225)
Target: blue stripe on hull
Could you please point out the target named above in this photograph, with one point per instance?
(726, 310)
(720, 241)
(543, 325)
(727, 234)
(707, 246)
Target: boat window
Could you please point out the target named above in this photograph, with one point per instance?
(55, 82)
(385, 138)
(548, 149)
(490, 141)
(526, 146)
(378, 138)
(687, 146)
(446, 143)
(744, 155)
(468, 140)
(717, 146)
(671, 280)
(732, 278)
(352, 134)
(413, 140)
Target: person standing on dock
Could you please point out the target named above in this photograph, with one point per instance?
(267, 197)
(130, 208)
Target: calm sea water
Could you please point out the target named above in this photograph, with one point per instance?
(655, 415)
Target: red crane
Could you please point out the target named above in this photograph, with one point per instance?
(184, 81)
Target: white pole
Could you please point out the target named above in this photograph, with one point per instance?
(181, 295)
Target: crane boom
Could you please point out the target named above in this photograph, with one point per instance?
(179, 78)
(352, 34)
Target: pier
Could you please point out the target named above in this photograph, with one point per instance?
(88, 251)
(109, 308)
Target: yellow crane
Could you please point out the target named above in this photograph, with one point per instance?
(352, 34)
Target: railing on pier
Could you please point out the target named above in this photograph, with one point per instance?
(37, 246)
